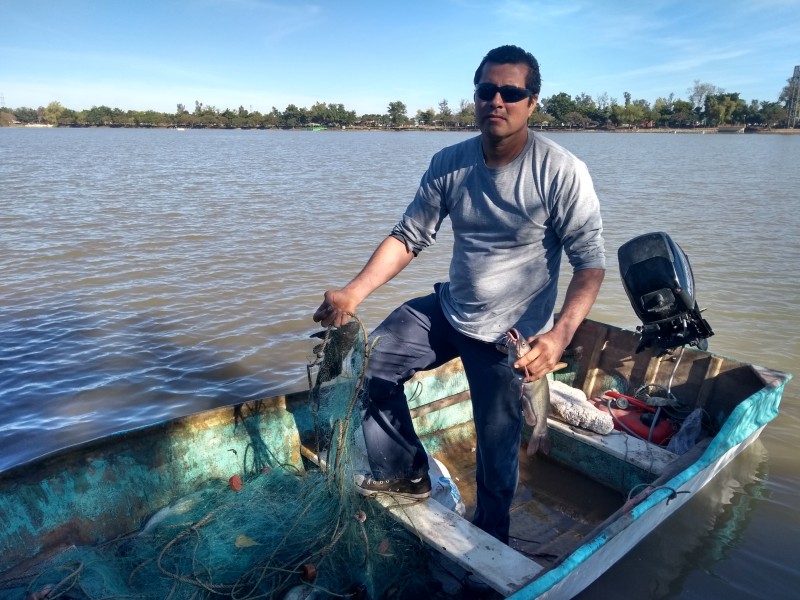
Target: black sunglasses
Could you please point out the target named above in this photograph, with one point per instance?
(509, 93)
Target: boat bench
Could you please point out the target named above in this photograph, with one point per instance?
(499, 566)
(640, 453)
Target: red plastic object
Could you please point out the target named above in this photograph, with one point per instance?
(308, 572)
(236, 483)
(630, 421)
(631, 400)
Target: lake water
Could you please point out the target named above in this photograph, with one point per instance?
(150, 274)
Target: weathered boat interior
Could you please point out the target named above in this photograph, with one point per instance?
(99, 491)
(556, 506)
(588, 480)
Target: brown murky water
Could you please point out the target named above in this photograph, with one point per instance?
(150, 274)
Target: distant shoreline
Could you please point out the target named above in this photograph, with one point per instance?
(706, 130)
(628, 130)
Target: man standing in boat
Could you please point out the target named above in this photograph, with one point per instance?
(516, 200)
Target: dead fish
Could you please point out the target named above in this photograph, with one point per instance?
(332, 352)
(535, 396)
(242, 541)
(41, 594)
(303, 592)
(180, 507)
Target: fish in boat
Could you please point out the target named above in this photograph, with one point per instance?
(535, 395)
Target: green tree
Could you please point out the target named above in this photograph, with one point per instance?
(640, 112)
(229, 118)
(372, 120)
(661, 111)
(294, 117)
(255, 120)
(576, 119)
(773, 114)
(617, 113)
(206, 116)
(445, 114)
(587, 107)
(181, 115)
(602, 109)
(152, 118)
(52, 113)
(68, 117)
(632, 114)
(397, 113)
(539, 118)
(98, 115)
(683, 114)
(466, 114)
(741, 111)
(559, 106)
(426, 117)
(320, 114)
(273, 118)
(342, 117)
(720, 108)
(26, 114)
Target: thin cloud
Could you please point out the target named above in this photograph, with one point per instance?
(686, 64)
(536, 12)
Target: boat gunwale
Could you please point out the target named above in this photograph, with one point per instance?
(634, 510)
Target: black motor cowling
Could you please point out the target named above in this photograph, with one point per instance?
(659, 282)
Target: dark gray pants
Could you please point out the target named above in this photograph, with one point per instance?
(417, 337)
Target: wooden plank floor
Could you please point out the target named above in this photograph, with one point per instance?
(502, 568)
(554, 507)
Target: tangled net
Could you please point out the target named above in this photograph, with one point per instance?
(286, 533)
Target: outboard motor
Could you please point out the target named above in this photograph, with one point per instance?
(660, 285)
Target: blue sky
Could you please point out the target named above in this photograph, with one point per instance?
(264, 53)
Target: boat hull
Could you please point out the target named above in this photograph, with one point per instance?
(107, 488)
(593, 560)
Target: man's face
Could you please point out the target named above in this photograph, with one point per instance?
(497, 118)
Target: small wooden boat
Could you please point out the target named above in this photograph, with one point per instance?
(680, 414)
(104, 489)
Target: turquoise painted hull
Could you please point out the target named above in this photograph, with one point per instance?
(107, 488)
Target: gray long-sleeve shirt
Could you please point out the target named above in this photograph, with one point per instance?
(509, 226)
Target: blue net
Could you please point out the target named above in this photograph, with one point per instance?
(283, 532)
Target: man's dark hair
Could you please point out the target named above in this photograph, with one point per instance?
(505, 55)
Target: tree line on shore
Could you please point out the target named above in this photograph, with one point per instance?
(706, 106)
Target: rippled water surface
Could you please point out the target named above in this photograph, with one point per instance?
(150, 274)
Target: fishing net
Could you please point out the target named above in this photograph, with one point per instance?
(282, 532)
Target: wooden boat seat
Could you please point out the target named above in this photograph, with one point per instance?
(501, 567)
(641, 453)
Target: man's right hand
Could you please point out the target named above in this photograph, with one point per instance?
(337, 308)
